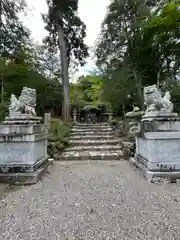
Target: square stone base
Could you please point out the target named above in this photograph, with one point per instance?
(22, 151)
(159, 151)
(153, 176)
(26, 178)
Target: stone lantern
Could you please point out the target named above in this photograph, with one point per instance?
(135, 117)
(110, 114)
(75, 115)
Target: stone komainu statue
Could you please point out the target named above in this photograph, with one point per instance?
(26, 102)
(154, 101)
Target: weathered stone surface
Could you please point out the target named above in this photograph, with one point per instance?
(94, 147)
(23, 141)
(94, 142)
(18, 129)
(154, 101)
(157, 144)
(162, 152)
(23, 119)
(27, 178)
(84, 130)
(162, 175)
(134, 114)
(23, 153)
(91, 137)
(158, 138)
(90, 126)
(25, 104)
(98, 132)
(93, 155)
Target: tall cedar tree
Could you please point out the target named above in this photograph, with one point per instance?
(66, 33)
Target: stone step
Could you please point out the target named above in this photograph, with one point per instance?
(94, 142)
(78, 133)
(91, 124)
(80, 130)
(92, 155)
(92, 127)
(91, 137)
(94, 148)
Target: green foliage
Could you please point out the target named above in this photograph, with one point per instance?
(119, 86)
(92, 87)
(4, 110)
(14, 37)
(121, 128)
(62, 13)
(46, 62)
(60, 129)
(161, 32)
(88, 92)
(138, 46)
(58, 136)
(125, 127)
(175, 96)
(76, 96)
(114, 122)
(21, 65)
(49, 91)
(89, 107)
(11, 8)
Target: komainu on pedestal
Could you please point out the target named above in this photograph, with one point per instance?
(23, 141)
(155, 102)
(158, 138)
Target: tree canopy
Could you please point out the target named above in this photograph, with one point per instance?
(22, 63)
(138, 45)
(87, 91)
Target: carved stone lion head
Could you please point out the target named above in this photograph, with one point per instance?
(28, 97)
(151, 95)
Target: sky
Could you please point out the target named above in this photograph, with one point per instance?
(92, 12)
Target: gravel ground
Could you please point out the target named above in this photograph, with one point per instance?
(92, 200)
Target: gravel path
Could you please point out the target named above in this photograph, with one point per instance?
(98, 200)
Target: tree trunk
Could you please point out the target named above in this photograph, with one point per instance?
(65, 75)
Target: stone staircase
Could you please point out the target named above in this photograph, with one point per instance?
(93, 142)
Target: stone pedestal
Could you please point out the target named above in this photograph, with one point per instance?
(23, 149)
(158, 145)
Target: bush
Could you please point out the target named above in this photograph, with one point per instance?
(4, 110)
(121, 128)
(114, 122)
(58, 136)
(125, 127)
